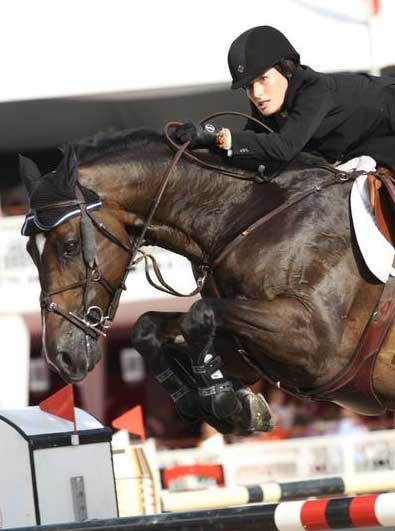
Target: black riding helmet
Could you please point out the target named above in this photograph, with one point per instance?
(255, 51)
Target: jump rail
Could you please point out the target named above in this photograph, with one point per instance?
(221, 497)
(330, 513)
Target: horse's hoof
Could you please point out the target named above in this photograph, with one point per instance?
(256, 415)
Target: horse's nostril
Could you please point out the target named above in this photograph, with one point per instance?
(67, 362)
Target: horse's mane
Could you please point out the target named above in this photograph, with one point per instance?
(115, 141)
(106, 142)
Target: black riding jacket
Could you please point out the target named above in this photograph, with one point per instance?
(338, 116)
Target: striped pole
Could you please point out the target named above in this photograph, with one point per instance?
(377, 510)
(315, 515)
(220, 497)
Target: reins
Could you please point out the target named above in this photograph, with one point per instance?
(193, 158)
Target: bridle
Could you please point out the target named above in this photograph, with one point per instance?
(94, 321)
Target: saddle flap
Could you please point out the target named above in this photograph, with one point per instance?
(376, 249)
(382, 201)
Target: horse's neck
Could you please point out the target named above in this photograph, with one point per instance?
(200, 211)
(194, 210)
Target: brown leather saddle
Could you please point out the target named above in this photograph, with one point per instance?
(382, 201)
(353, 387)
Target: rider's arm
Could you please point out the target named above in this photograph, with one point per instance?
(310, 107)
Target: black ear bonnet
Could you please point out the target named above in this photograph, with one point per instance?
(49, 193)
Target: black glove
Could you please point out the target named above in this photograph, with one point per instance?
(197, 135)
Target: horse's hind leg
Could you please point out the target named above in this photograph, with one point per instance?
(220, 397)
(155, 336)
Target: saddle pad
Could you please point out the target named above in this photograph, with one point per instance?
(376, 250)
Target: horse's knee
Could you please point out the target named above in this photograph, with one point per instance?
(145, 332)
(199, 321)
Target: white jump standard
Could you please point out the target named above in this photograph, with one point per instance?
(46, 476)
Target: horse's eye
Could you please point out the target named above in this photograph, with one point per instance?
(71, 248)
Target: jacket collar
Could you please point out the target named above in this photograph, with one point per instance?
(297, 80)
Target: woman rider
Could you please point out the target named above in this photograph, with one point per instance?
(337, 116)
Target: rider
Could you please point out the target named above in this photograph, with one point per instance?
(337, 116)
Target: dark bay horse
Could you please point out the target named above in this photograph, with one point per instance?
(289, 302)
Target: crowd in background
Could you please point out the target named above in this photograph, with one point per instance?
(292, 417)
(307, 418)
(14, 201)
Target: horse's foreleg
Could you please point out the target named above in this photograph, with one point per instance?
(277, 333)
(155, 336)
(220, 397)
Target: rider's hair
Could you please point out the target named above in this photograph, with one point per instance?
(286, 67)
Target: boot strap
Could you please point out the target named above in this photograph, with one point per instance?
(207, 369)
(180, 393)
(215, 389)
(163, 376)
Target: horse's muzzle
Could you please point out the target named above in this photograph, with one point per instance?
(73, 366)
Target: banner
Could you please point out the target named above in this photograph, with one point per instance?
(20, 287)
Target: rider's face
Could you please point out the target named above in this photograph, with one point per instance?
(267, 91)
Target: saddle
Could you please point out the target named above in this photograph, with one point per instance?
(353, 388)
(382, 201)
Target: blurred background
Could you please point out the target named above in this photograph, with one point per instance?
(71, 69)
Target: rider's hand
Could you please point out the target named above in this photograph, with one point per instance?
(198, 135)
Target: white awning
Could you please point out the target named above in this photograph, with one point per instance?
(81, 48)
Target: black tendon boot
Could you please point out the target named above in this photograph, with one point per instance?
(216, 393)
(185, 398)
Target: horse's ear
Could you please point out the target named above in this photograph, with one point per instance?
(70, 167)
(29, 173)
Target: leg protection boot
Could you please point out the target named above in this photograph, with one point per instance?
(185, 398)
(216, 393)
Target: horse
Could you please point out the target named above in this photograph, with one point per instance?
(285, 292)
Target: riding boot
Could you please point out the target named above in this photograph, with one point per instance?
(216, 393)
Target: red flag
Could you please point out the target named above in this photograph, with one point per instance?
(61, 404)
(375, 7)
(132, 421)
